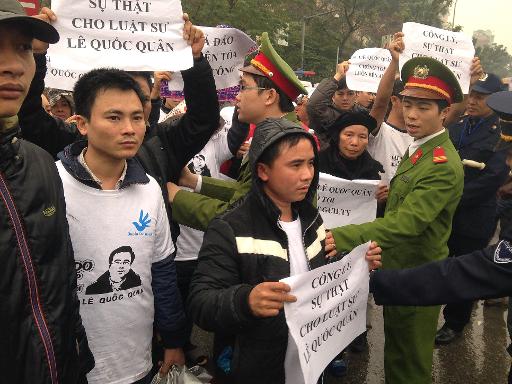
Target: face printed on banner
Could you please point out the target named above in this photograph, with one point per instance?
(287, 179)
(344, 99)
(422, 116)
(353, 141)
(116, 127)
(17, 67)
(477, 106)
(61, 109)
(251, 100)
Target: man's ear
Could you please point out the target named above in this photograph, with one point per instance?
(262, 171)
(272, 97)
(444, 112)
(82, 124)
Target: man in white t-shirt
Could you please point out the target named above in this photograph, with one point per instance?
(388, 143)
(120, 234)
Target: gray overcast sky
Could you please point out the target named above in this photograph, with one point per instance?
(494, 15)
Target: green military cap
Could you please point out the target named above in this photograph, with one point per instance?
(427, 78)
(268, 63)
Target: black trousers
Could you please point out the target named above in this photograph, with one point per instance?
(184, 272)
(457, 315)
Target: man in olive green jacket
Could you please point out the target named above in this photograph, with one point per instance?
(417, 223)
(268, 86)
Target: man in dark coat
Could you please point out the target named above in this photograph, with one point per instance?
(475, 137)
(42, 339)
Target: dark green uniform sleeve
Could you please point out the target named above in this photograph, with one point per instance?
(419, 209)
(196, 210)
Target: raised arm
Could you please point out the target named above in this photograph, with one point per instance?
(381, 103)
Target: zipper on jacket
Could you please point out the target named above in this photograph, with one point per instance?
(33, 289)
(303, 237)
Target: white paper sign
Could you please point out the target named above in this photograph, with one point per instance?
(225, 49)
(126, 34)
(330, 311)
(367, 66)
(453, 49)
(342, 202)
(61, 78)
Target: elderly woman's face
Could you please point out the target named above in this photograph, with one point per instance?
(353, 141)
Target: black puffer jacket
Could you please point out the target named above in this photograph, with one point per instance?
(41, 330)
(232, 262)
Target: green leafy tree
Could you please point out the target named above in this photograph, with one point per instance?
(495, 59)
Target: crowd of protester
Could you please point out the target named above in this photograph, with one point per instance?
(127, 218)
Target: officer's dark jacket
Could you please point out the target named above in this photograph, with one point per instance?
(476, 213)
(41, 330)
(481, 274)
(164, 152)
(242, 248)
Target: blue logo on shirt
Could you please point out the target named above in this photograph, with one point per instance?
(143, 222)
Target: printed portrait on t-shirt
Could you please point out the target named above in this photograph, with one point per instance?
(120, 275)
(198, 166)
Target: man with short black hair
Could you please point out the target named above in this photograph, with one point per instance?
(329, 101)
(131, 224)
(42, 339)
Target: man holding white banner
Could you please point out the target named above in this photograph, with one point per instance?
(274, 233)
(422, 200)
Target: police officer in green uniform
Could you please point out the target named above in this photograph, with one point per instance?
(268, 87)
(422, 199)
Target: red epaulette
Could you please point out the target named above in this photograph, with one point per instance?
(439, 155)
(417, 155)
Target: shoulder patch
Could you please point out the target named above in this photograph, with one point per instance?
(503, 252)
(439, 156)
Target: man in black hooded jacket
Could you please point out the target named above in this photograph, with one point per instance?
(272, 233)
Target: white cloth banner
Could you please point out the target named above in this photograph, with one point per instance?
(330, 311)
(342, 202)
(453, 49)
(126, 34)
(367, 66)
(225, 49)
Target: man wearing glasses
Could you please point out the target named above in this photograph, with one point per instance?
(267, 88)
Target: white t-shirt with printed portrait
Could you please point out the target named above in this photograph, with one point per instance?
(388, 148)
(117, 235)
